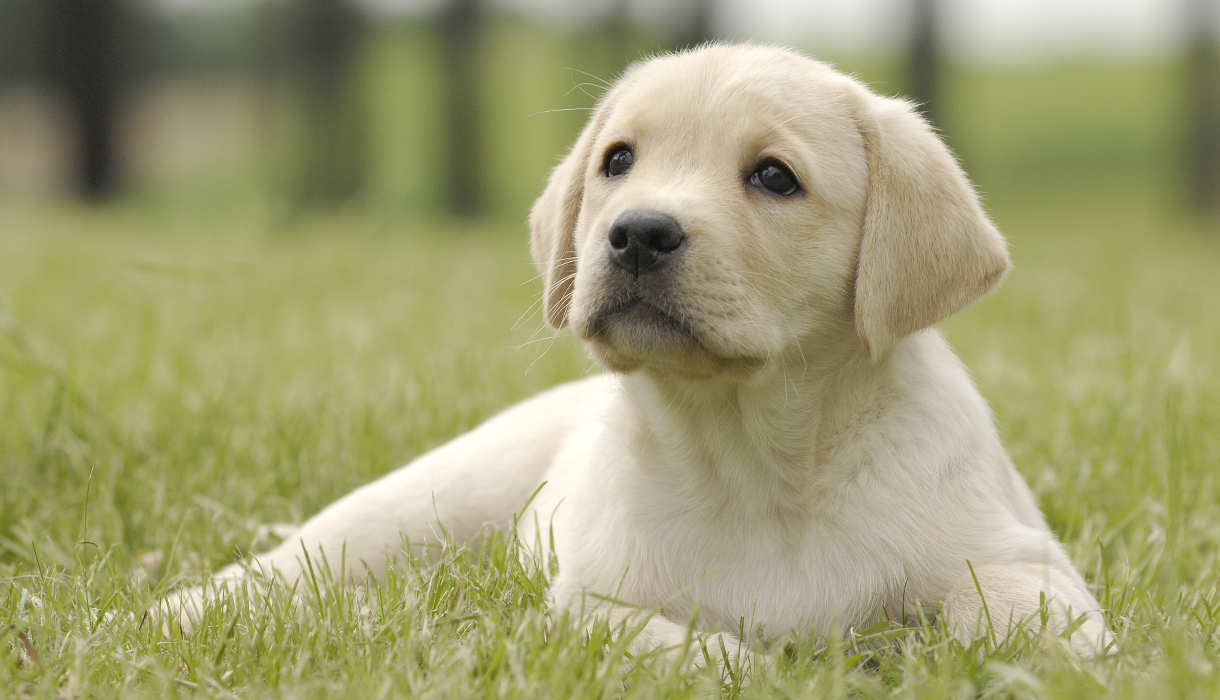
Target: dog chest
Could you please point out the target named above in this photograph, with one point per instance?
(641, 543)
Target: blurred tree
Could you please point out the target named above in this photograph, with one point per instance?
(1203, 105)
(923, 61)
(18, 59)
(333, 158)
(461, 51)
(84, 45)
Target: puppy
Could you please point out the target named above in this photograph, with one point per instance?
(756, 247)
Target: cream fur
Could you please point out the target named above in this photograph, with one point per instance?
(798, 450)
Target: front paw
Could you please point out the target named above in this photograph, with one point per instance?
(722, 651)
(998, 602)
(182, 609)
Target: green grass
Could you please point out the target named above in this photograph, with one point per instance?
(179, 370)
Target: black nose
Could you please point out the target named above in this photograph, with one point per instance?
(643, 240)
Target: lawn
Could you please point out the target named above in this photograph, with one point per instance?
(175, 378)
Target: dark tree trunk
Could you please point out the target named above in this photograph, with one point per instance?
(461, 34)
(333, 158)
(924, 59)
(83, 43)
(18, 54)
(1203, 106)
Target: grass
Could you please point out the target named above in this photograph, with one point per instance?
(173, 378)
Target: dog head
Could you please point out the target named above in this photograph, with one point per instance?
(725, 205)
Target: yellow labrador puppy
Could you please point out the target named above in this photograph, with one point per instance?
(755, 246)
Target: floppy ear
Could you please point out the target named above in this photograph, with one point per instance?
(553, 224)
(927, 248)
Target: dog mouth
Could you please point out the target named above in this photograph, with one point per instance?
(640, 332)
(640, 327)
(636, 331)
(643, 313)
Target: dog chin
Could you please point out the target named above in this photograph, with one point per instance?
(642, 336)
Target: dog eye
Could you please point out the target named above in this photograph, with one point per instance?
(775, 177)
(619, 160)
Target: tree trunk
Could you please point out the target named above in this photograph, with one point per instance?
(83, 43)
(332, 159)
(924, 59)
(460, 33)
(1203, 106)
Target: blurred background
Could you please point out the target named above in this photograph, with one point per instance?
(429, 109)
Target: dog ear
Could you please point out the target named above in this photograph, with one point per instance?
(553, 221)
(927, 249)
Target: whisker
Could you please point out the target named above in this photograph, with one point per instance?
(560, 261)
(528, 312)
(545, 350)
(563, 109)
(533, 341)
(557, 284)
(804, 360)
(586, 93)
(597, 79)
(581, 86)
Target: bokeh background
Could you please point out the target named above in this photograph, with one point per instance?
(436, 108)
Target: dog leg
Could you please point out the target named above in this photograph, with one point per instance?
(478, 481)
(652, 633)
(1008, 598)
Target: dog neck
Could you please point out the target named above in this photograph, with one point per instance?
(756, 447)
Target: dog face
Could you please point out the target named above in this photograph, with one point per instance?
(726, 205)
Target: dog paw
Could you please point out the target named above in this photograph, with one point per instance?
(181, 610)
(721, 651)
